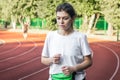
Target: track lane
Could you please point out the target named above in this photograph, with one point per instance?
(20, 58)
(8, 48)
(22, 70)
(105, 63)
(32, 54)
(36, 75)
(116, 47)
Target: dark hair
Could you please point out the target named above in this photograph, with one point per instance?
(67, 8)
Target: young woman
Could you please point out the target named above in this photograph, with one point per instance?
(66, 50)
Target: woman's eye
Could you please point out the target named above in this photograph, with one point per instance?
(58, 18)
(63, 18)
(66, 18)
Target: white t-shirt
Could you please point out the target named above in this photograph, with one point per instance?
(72, 48)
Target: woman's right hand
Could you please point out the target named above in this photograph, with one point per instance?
(56, 59)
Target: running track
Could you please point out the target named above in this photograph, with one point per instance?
(20, 58)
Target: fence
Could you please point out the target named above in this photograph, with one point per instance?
(40, 23)
(101, 24)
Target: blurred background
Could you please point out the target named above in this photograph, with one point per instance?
(92, 15)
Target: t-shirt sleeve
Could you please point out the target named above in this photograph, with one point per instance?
(45, 51)
(86, 50)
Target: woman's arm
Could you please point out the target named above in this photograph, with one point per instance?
(47, 61)
(87, 62)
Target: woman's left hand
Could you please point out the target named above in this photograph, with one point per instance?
(67, 70)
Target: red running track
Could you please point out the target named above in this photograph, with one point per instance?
(20, 58)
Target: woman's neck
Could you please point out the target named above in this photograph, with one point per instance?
(65, 33)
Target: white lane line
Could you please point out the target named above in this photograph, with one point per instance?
(2, 42)
(33, 73)
(20, 64)
(20, 54)
(12, 48)
(118, 60)
(114, 44)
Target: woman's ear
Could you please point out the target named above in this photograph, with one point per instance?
(73, 18)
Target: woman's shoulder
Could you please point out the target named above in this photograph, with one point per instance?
(51, 33)
(79, 34)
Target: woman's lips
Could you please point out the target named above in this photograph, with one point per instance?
(61, 25)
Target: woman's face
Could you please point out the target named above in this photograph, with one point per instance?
(64, 21)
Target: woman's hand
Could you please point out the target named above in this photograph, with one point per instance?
(67, 70)
(56, 58)
(52, 60)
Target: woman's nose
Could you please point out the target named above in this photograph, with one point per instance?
(61, 21)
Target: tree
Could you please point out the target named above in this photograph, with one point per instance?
(46, 10)
(111, 10)
(25, 10)
(6, 8)
(89, 11)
